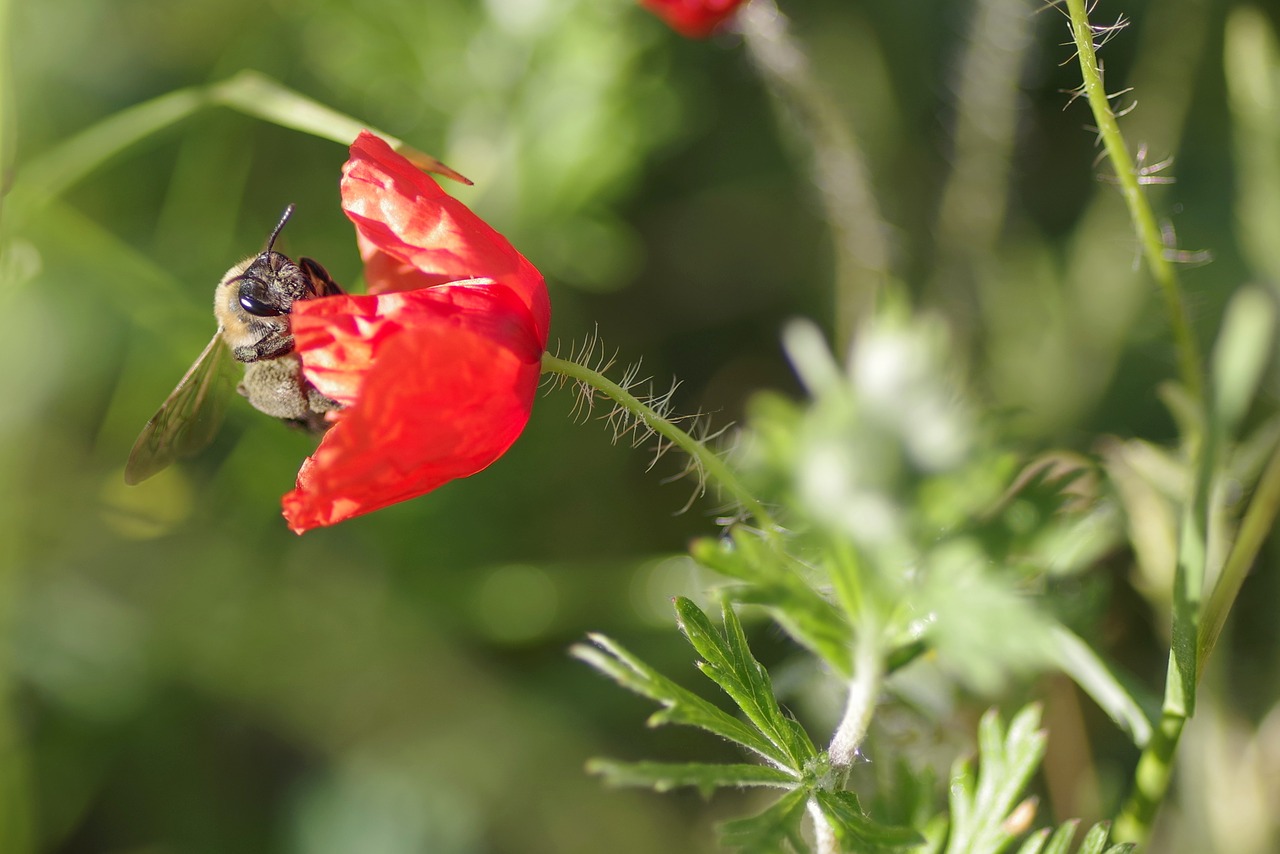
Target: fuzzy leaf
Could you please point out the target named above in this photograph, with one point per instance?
(729, 663)
(706, 777)
(770, 831)
(680, 706)
(855, 831)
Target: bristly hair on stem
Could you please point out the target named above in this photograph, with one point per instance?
(640, 416)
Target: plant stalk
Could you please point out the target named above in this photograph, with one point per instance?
(1190, 365)
(708, 462)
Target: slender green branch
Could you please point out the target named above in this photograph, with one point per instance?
(825, 840)
(860, 702)
(1254, 530)
(1152, 775)
(1150, 780)
(714, 467)
(1144, 220)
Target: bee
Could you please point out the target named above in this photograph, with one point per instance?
(252, 305)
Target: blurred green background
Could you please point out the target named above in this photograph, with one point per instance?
(182, 674)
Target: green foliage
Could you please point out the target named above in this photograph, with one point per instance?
(983, 804)
(794, 763)
(1094, 842)
(988, 809)
(780, 583)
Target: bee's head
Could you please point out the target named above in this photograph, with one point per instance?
(253, 300)
(268, 286)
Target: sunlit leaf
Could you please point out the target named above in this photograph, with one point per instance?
(705, 777)
(728, 661)
(769, 831)
(679, 706)
(856, 831)
(774, 581)
(981, 807)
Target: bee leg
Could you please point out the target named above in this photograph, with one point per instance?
(271, 346)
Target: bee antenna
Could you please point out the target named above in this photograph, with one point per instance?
(284, 217)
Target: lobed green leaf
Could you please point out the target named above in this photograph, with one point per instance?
(729, 663)
(706, 777)
(776, 581)
(855, 830)
(770, 831)
(680, 706)
(981, 809)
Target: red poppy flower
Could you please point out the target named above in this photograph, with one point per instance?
(696, 19)
(436, 367)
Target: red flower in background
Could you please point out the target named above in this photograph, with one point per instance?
(696, 19)
(436, 367)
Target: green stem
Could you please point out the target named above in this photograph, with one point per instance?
(825, 840)
(1254, 530)
(714, 467)
(1151, 781)
(1152, 775)
(1144, 220)
(860, 702)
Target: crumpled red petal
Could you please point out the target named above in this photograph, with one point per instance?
(439, 382)
(412, 234)
(695, 19)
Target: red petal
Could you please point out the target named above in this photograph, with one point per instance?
(439, 383)
(693, 18)
(413, 235)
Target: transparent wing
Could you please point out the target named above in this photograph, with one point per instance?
(189, 419)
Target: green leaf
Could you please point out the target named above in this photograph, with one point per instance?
(1242, 351)
(1061, 841)
(1034, 844)
(729, 663)
(706, 777)
(680, 706)
(1078, 660)
(55, 170)
(1096, 839)
(855, 831)
(1093, 842)
(770, 831)
(777, 582)
(981, 808)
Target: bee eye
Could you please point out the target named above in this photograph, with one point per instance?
(258, 308)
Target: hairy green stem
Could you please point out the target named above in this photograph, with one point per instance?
(860, 702)
(1144, 220)
(1154, 769)
(707, 461)
(824, 835)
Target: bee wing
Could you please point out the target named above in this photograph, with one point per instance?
(189, 419)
